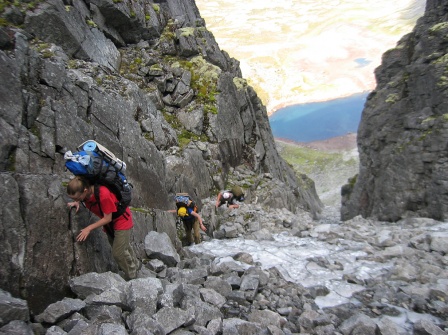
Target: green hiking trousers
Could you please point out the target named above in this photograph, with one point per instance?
(123, 253)
(189, 225)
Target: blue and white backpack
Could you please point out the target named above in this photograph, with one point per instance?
(101, 167)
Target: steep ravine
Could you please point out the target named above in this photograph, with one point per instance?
(147, 80)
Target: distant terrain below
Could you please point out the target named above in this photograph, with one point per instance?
(298, 51)
(335, 144)
(330, 163)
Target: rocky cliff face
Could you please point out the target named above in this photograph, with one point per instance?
(402, 137)
(148, 81)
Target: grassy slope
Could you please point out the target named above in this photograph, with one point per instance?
(329, 169)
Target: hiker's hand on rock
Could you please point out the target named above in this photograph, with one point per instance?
(73, 204)
(83, 234)
(203, 227)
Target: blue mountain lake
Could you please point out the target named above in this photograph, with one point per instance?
(317, 121)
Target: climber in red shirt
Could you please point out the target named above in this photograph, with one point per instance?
(119, 229)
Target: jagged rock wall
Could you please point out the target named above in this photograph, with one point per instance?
(402, 137)
(148, 81)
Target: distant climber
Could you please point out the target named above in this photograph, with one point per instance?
(230, 197)
(187, 212)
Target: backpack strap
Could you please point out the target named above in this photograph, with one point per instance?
(109, 228)
(121, 208)
(96, 193)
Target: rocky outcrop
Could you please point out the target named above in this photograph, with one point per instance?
(402, 137)
(149, 82)
(385, 279)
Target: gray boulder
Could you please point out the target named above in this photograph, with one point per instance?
(158, 245)
(60, 310)
(12, 309)
(96, 283)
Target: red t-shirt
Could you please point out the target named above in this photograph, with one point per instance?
(109, 205)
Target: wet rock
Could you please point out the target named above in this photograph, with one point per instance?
(244, 257)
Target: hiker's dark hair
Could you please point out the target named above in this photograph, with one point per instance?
(77, 184)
